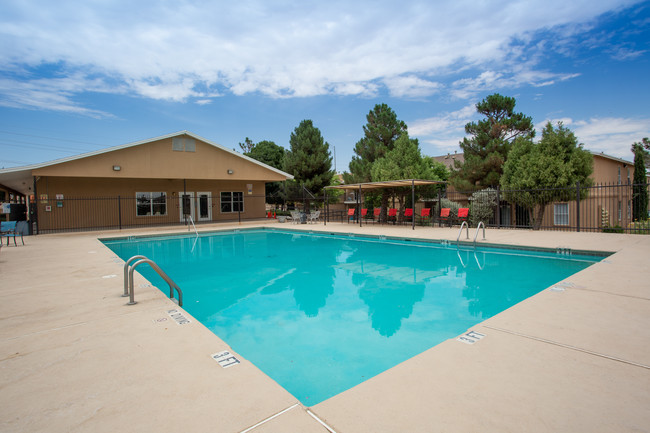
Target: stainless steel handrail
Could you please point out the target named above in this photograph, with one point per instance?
(188, 226)
(477, 228)
(126, 273)
(464, 224)
(168, 280)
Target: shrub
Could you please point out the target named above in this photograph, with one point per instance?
(453, 212)
(615, 229)
(483, 204)
(640, 227)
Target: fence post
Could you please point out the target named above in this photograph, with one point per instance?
(578, 205)
(325, 206)
(119, 211)
(498, 206)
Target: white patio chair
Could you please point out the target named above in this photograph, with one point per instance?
(295, 217)
(313, 216)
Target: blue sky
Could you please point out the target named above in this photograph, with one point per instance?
(81, 76)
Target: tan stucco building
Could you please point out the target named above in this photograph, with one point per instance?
(154, 181)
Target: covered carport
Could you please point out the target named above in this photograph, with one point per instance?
(365, 186)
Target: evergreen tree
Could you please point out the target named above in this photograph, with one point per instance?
(247, 145)
(639, 187)
(380, 133)
(487, 149)
(558, 161)
(309, 159)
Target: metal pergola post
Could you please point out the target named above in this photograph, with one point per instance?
(359, 206)
(413, 204)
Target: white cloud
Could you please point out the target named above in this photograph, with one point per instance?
(411, 87)
(611, 135)
(441, 134)
(183, 50)
(490, 80)
(56, 94)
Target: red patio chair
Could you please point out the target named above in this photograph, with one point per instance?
(351, 214)
(364, 212)
(444, 215)
(425, 213)
(376, 213)
(462, 214)
(392, 213)
(408, 213)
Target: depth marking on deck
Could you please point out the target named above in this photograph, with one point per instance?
(471, 337)
(225, 359)
(178, 317)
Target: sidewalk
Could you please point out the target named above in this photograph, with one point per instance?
(74, 358)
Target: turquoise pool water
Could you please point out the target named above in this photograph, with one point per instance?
(321, 313)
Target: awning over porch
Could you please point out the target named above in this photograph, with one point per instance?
(387, 184)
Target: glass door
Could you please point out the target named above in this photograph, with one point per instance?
(204, 205)
(186, 204)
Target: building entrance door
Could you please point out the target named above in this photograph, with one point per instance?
(204, 206)
(186, 205)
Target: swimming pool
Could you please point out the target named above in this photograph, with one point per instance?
(321, 313)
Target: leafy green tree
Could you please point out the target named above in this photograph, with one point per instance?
(380, 134)
(309, 159)
(269, 153)
(487, 149)
(404, 161)
(381, 131)
(639, 187)
(557, 161)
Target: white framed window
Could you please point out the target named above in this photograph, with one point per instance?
(561, 214)
(619, 175)
(629, 209)
(183, 144)
(151, 203)
(232, 201)
(620, 210)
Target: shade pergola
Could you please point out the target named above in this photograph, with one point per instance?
(387, 184)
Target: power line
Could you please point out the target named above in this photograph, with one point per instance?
(40, 146)
(53, 138)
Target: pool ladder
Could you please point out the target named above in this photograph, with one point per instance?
(128, 279)
(478, 227)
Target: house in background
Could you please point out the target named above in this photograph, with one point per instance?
(608, 204)
(155, 181)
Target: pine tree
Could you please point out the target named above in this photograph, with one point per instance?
(380, 134)
(639, 187)
(309, 159)
(491, 139)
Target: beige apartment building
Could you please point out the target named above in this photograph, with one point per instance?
(163, 180)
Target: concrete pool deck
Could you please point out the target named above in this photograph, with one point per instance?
(74, 358)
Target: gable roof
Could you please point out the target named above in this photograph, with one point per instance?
(449, 159)
(613, 158)
(19, 178)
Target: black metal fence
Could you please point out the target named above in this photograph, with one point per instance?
(605, 208)
(599, 208)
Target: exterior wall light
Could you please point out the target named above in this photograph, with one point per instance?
(230, 171)
(117, 168)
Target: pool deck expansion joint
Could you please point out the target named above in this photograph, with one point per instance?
(568, 346)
